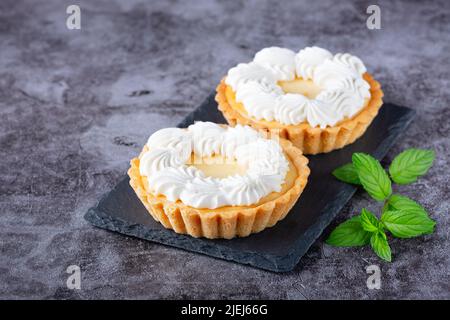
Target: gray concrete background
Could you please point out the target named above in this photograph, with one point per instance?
(70, 122)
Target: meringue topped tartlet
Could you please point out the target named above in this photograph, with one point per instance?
(317, 100)
(217, 181)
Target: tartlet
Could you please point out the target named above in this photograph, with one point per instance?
(216, 212)
(317, 118)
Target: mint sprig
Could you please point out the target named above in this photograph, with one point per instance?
(398, 202)
(347, 173)
(369, 221)
(411, 164)
(379, 244)
(401, 216)
(373, 177)
(349, 234)
(404, 224)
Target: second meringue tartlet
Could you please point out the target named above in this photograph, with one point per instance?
(317, 100)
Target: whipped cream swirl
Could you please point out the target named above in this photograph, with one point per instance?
(340, 78)
(168, 173)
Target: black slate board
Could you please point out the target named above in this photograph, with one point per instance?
(278, 248)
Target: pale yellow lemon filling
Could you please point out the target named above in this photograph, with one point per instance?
(211, 167)
(217, 166)
(300, 86)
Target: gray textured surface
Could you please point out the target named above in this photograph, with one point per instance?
(69, 124)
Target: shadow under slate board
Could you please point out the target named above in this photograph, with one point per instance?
(278, 248)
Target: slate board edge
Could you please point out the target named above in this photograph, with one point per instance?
(190, 117)
(268, 262)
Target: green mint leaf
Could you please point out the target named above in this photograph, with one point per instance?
(369, 221)
(410, 164)
(380, 245)
(347, 173)
(349, 234)
(404, 224)
(373, 177)
(397, 202)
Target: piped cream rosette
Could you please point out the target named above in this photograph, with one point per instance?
(337, 89)
(168, 179)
